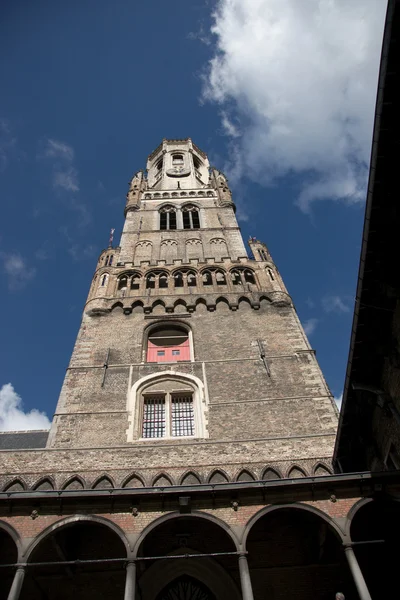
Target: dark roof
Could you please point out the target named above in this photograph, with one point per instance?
(378, 288)
(23, 440)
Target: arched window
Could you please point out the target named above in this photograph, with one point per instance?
(167, 217)
(150, 281)
(159, 165)
(110, 262)
(220, 278)
(178, 279)
(191, 219)
(207, 278)
(168, 343)
(103, 281)
(191, 279)
(236, 279)
(123, 282)
(163, 281)
(249, 276)
(135, 281)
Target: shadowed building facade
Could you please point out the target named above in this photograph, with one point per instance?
(190, 452)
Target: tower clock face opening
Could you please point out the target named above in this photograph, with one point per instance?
(168, 343)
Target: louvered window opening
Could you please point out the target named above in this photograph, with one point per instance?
(167, 220)
(182, 416)
(191, 219)
(154, 417)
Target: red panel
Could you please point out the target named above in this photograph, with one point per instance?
(168, 353)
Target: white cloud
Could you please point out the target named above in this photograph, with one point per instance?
(334, 304)
(309, 326)
(338, 401)
(61, 156)
(297, 81)
(57, 149)
(66, 179)
(12, 415)
(17, 270)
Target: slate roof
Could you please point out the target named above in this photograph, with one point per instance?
(23, 440)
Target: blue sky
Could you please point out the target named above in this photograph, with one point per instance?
(280, 94)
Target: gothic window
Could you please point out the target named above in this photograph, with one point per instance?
(135, 281)
(168, 415)
(168, 343)
(110, 262)
(191, 279)
(178, 279)
(207, 278)
(177, 159)
(191, 219)
(185, 587)
(220, 278)
(123, 282)
(159, 165)
(249, 276)
(150, 281)
(271, 275)
(236, 279)
(103, 281)
(167, 218)
(163, 281)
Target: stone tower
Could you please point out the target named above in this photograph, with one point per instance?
(189, 456)
(188, 343)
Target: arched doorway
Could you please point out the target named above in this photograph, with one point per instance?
(8, 555)
(82, 540)
(166, 572)
(185, 588)
(378, 523)
(295, 553)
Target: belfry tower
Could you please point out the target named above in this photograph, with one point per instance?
(190, 452)
(187, 342)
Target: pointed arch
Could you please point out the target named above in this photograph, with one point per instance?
(245, 475)
(158, 304)
(104, 482)
(244, 302)
(223, 302)
(15, 485)
(190, 478)
(74, 483)
(296, 472)
(321, 469)
(117, 305)
(270, 473)
(137, 306)
(218, 476)
(133, 481)
(180, 304)
(162, 480)
(45, 483)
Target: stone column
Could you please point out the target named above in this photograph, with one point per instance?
(130, 582)
(17, 584)
(357, 573)
(245, 581)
